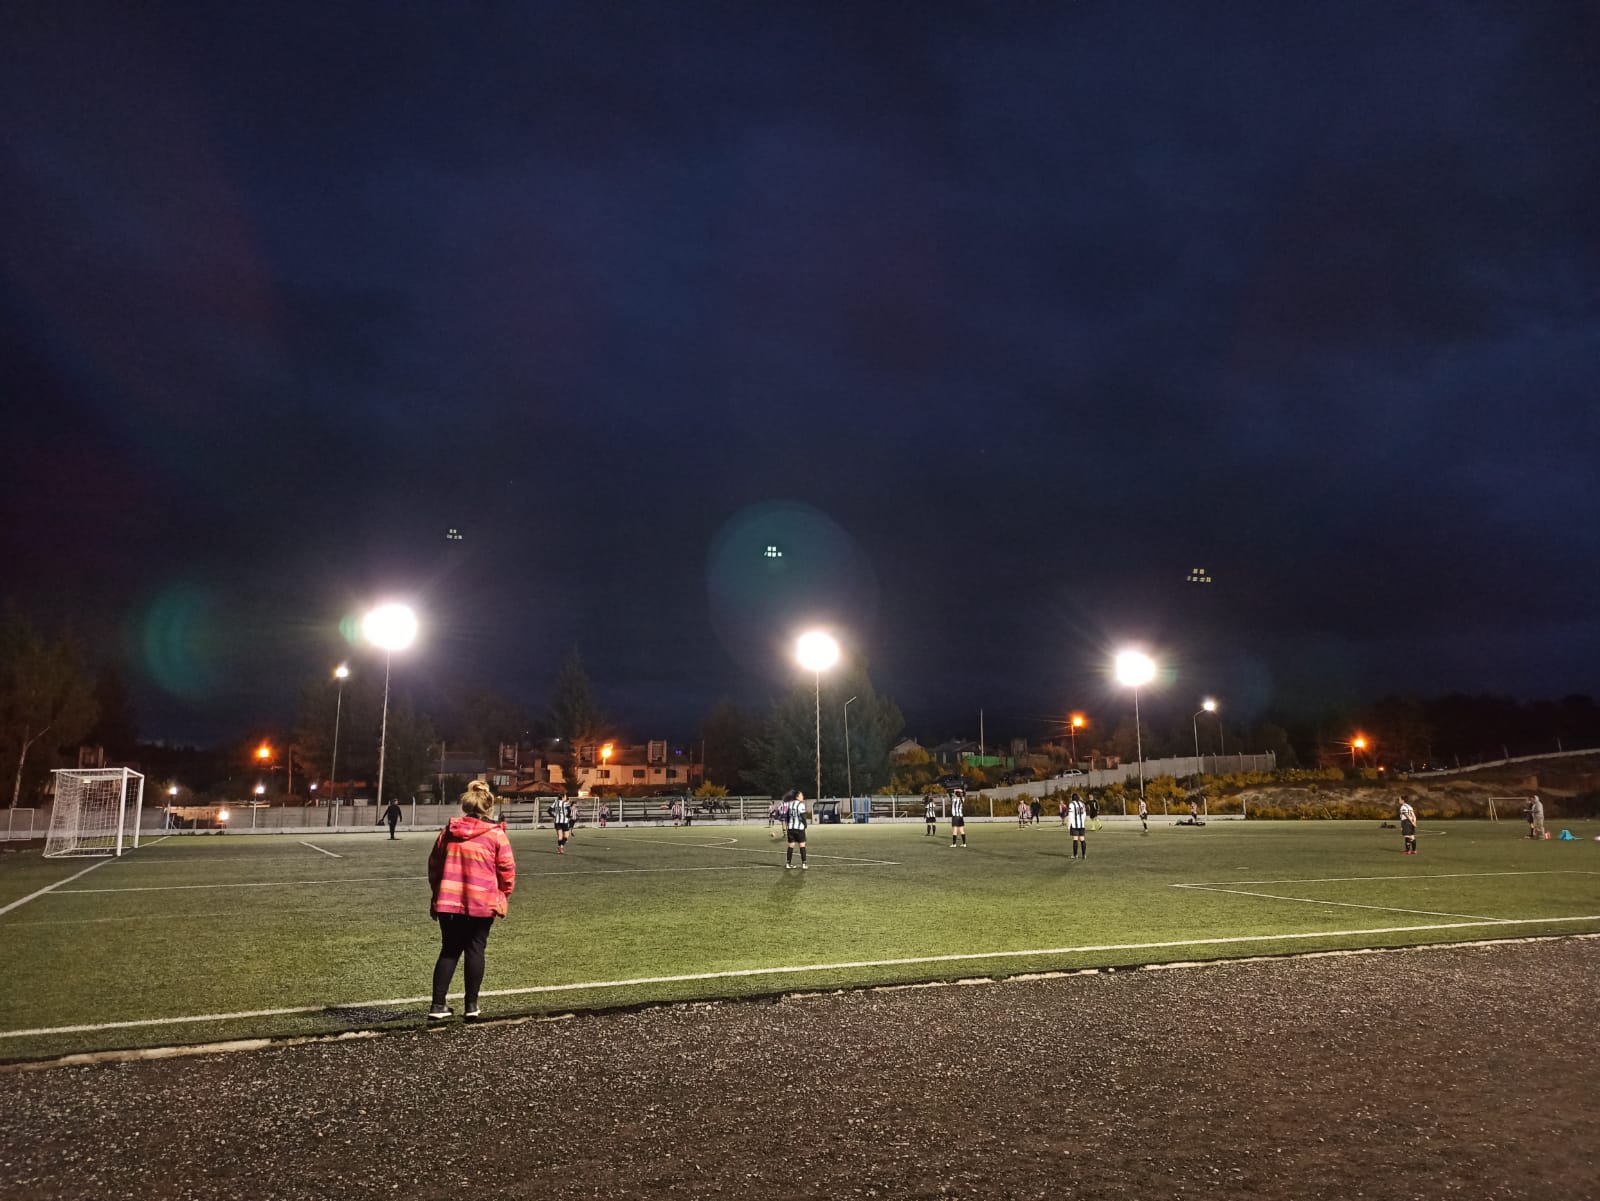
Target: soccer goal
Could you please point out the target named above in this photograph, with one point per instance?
(96, 812)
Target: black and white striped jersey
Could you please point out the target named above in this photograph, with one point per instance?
(561, 811)
(1077, 815)
(930, 809)
(795, 818)
(958, 805)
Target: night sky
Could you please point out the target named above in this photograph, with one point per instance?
(995, 321)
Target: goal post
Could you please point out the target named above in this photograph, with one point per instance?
(96, 812)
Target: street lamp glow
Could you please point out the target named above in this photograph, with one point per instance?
(1359, 742)
(342, 672)
(264, 752)
(1079, 721)
(1209, 705)
(392, 627)
(260, 788)
(173, 791)
(817, 651)
(1134, 668)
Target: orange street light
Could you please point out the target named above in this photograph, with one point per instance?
(264, 752)
(1358, 743)
(1075, 723)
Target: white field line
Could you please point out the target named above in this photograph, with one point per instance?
(153, 842)
(1242, 892)
(315, 847)
(555, 875)
(760, 850)
(52, 887)
(1406, 876)
(790, 970)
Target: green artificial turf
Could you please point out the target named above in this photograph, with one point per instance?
(183, 937)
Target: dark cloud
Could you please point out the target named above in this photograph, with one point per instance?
(1040, 307)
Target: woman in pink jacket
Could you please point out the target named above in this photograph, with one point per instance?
(471, 872)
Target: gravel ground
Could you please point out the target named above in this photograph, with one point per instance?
(1414, 1074)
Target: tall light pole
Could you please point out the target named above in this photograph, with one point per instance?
(849, 779)
(817, 652)
(340, 673)
(1358, 743)
(1134, 669)
(393, 628)
(1206, 706)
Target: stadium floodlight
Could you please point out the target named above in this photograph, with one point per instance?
(340, 673)
(393, 627)
(1358, 743)
(1134, 669)
(90, 814)
(817, 652)
(1206, 706)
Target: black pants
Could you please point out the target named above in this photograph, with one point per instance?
(458, 933)
(393, 822)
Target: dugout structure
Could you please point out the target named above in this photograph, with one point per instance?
(96, 812)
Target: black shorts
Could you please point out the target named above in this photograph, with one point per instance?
(1408, 828)
(958, 822)
(797, 835)
(1077, 831)
(562, 827)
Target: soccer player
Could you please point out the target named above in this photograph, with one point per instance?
(958, 817)
(1408, 826)
(775, 814)
(1536, 817)
(930, 814)
(1063, 803)
(794, 822)
(561, 814)
(1022, 813)
(1077, 826)
(1144, 815)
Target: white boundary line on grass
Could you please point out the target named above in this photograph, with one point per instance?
(791, 970)
(760, 850)
(52, 887)
(1567, 871)
(1243, 892)
(315, 847)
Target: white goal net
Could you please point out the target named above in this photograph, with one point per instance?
(96, 812)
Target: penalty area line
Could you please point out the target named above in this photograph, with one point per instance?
(52, 887)
(315, 847)
(794, 970)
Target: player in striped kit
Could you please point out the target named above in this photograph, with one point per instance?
(561, 814)
(794, 824)
(958, 817)
(1408, 826)
(930, 814)
(1078, 825)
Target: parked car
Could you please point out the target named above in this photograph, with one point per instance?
(952, 782)
(1069, 773)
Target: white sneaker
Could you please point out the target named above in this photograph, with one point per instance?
(787, 866)
(804, 867)
(439, 1013)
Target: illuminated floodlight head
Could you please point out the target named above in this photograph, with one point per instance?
(1134, 668)
(606, 752)
(173, 791)
(222, 815)
(342, 672)
(264, 752)
(1209, 705)
(1359, 742)
(817, 651)
(1079, 721)
(392, 627)
(260, 788)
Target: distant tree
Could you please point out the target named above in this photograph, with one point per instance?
(574, 713)
(726, 734)
(484, 719)
(784, 752)
(46, 698)
(411, 756)
(114, 726)
(1274, 738)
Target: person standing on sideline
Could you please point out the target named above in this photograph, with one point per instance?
(1063, 804)
(794, 822)
(1022, 813)
(775, 814)
(561, 814)
(1035, 809)
(1536, 817)
(930, 814)
(1094, 813)
(958, 817)
(1144, 816)
(470, 873)
(1077, 826)
(1408, 826)
(392, 816)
